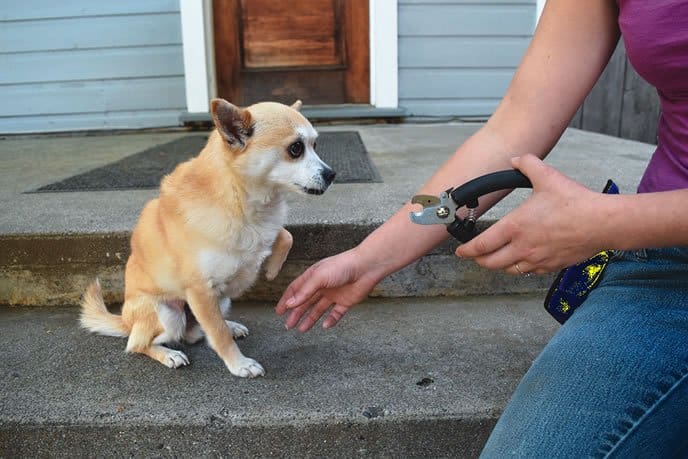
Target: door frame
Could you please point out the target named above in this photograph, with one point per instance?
(199, 55)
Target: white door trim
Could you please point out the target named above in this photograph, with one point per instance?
(196, 69)
(199, 79)
(384, 73)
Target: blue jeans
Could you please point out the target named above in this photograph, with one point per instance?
(613, 381)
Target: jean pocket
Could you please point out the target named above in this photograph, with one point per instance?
(668, 255)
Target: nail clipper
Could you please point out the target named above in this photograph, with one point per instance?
(442, 209)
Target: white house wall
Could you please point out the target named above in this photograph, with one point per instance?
(83, 64)
(456, 57)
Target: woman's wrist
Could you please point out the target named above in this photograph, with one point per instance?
(635, 221)
(370, 261)
(607, 225)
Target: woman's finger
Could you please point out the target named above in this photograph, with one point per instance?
(300, 290)
(335, 316)
(492, 239)
(503, 258)
(314, 314)
(295, 315)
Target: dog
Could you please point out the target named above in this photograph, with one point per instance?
(217, 221)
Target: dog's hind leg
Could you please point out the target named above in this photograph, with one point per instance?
(194, 332)
(155, 324)
(238, 330)
(171, 358)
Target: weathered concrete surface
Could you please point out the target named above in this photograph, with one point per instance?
(54, 270)
(397, 378)
(53, 244)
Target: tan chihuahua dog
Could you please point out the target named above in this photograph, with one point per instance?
(217, 220)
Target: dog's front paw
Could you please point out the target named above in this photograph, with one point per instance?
(175, 359)
(272, 270)
(238, 330)
(246, 367)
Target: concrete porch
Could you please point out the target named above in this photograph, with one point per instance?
(424, 367)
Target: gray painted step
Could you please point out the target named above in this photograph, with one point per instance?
(396, 378)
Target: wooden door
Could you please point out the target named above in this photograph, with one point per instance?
(283, 50)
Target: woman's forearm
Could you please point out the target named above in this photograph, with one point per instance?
(546, 90)
(398, 241)
(635, 221)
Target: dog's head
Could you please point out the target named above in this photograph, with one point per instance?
(272, 142)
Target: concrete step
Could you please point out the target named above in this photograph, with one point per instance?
(55, 269)
(397, 378)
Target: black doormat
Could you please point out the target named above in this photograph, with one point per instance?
(343, 151)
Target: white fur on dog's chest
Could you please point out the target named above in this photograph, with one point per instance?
(232, 267)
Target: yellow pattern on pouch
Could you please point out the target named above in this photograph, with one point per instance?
(593, 271)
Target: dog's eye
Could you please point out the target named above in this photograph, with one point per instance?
(296, 149)
(314, 144)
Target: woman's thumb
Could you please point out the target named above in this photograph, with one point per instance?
(531, 166)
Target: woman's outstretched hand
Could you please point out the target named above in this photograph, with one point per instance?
(333, 284)
(557, 226)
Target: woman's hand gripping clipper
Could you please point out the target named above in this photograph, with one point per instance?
(442, 209)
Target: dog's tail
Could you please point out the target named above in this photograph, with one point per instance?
(95, 316)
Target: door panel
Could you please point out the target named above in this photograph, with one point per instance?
(313, 50)
(286, 34)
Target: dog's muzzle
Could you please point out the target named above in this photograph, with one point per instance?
(327, 176)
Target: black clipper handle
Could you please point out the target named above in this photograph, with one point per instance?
(468, 194)
(462, 230)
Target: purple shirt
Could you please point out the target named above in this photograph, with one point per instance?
(655, 33)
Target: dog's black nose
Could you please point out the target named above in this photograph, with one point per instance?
(328, 175)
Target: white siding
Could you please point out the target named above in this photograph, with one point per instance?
(456, 57)
(84, 64)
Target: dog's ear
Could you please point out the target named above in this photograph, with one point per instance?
(233, 123)
(297, 105)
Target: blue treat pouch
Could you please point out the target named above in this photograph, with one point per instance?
(573, 284)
